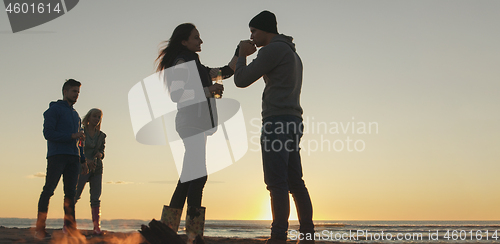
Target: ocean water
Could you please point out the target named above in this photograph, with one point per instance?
(344, 231)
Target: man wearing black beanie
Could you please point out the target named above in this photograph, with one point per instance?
(265, 21)
(280, 65)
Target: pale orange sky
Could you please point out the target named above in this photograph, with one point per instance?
(426, 72)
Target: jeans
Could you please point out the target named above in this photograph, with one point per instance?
(69, 167)
(280, 140)
(95, 182)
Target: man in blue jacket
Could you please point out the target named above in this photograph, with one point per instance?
(280, 66)
(61, 129)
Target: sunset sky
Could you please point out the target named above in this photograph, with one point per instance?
(418, 81)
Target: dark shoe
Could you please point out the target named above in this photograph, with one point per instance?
(42, 235)
(275, 241)
(308, 235)
(306, 242)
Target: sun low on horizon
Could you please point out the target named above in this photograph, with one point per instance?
(266, 213)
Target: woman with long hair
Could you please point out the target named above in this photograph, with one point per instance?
(94, 153)
(196, 119)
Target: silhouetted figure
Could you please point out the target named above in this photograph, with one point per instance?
(196, 119)
(93, 150)
(280, 65)
(61, 128)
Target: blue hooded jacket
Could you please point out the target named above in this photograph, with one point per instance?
(60, 121)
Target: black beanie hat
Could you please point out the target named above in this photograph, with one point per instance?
(265, 21)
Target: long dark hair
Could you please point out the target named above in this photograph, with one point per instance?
(174, 46)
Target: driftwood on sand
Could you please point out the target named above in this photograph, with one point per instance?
(159, 233)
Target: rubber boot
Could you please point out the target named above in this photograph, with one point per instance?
(195, 223)
(96, 219)
(40, 232)
(171, 217)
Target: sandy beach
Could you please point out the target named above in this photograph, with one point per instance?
(25, 235)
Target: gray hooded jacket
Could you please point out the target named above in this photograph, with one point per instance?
(281, 68)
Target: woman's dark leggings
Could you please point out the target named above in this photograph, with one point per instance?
(193, 190)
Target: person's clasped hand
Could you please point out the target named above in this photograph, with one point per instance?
(91, 164)
(84, 169)
(79, 135)
(247, 47)
(216, 89)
